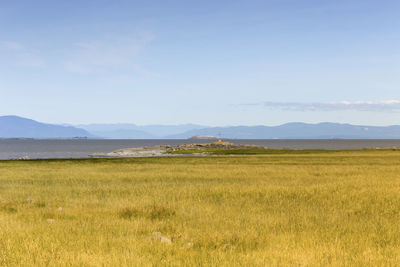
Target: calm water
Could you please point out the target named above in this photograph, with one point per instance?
(33, 148)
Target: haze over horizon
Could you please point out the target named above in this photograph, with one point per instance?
(214, 63)
(80, 125)
(18, 127)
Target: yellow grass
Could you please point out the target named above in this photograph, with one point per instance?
(340, 209)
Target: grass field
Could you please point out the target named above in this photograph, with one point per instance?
(311, 209)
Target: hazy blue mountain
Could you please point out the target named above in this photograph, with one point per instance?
(132, 131)
(298, 131)
(123, 134)
(108, 127)
(17, 127)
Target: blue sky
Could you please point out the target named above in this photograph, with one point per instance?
(206, 62)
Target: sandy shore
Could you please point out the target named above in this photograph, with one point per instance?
(155, 151)
(161, 151)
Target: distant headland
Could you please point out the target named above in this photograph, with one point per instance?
(206, 137)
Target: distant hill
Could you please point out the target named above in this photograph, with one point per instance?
(297, 131)
(123, 134)
(18, 127)
(132, 131)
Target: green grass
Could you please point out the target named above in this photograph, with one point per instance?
(263, 151)
(308, 209)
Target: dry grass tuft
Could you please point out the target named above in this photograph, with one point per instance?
(150, 212)
(8, 207)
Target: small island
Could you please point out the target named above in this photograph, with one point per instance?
(183, 149)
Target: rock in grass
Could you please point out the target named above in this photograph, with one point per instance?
(165, 239)
(50, 220)
(30, 201)
(157, 236)
(227, 246)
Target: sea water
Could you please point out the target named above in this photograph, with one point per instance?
(82, 148)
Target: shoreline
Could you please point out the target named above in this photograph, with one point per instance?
(272, 152)
(69, 149)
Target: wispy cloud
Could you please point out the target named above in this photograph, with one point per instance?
(20, 56)
(29, 60)
(95, 56)
(12, 45)
(377, 106)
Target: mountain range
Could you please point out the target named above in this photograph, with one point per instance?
(18, 127)
(132, 131)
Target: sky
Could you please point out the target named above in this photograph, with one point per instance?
(209, 62)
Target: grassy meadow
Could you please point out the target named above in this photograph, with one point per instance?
(302, 209)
